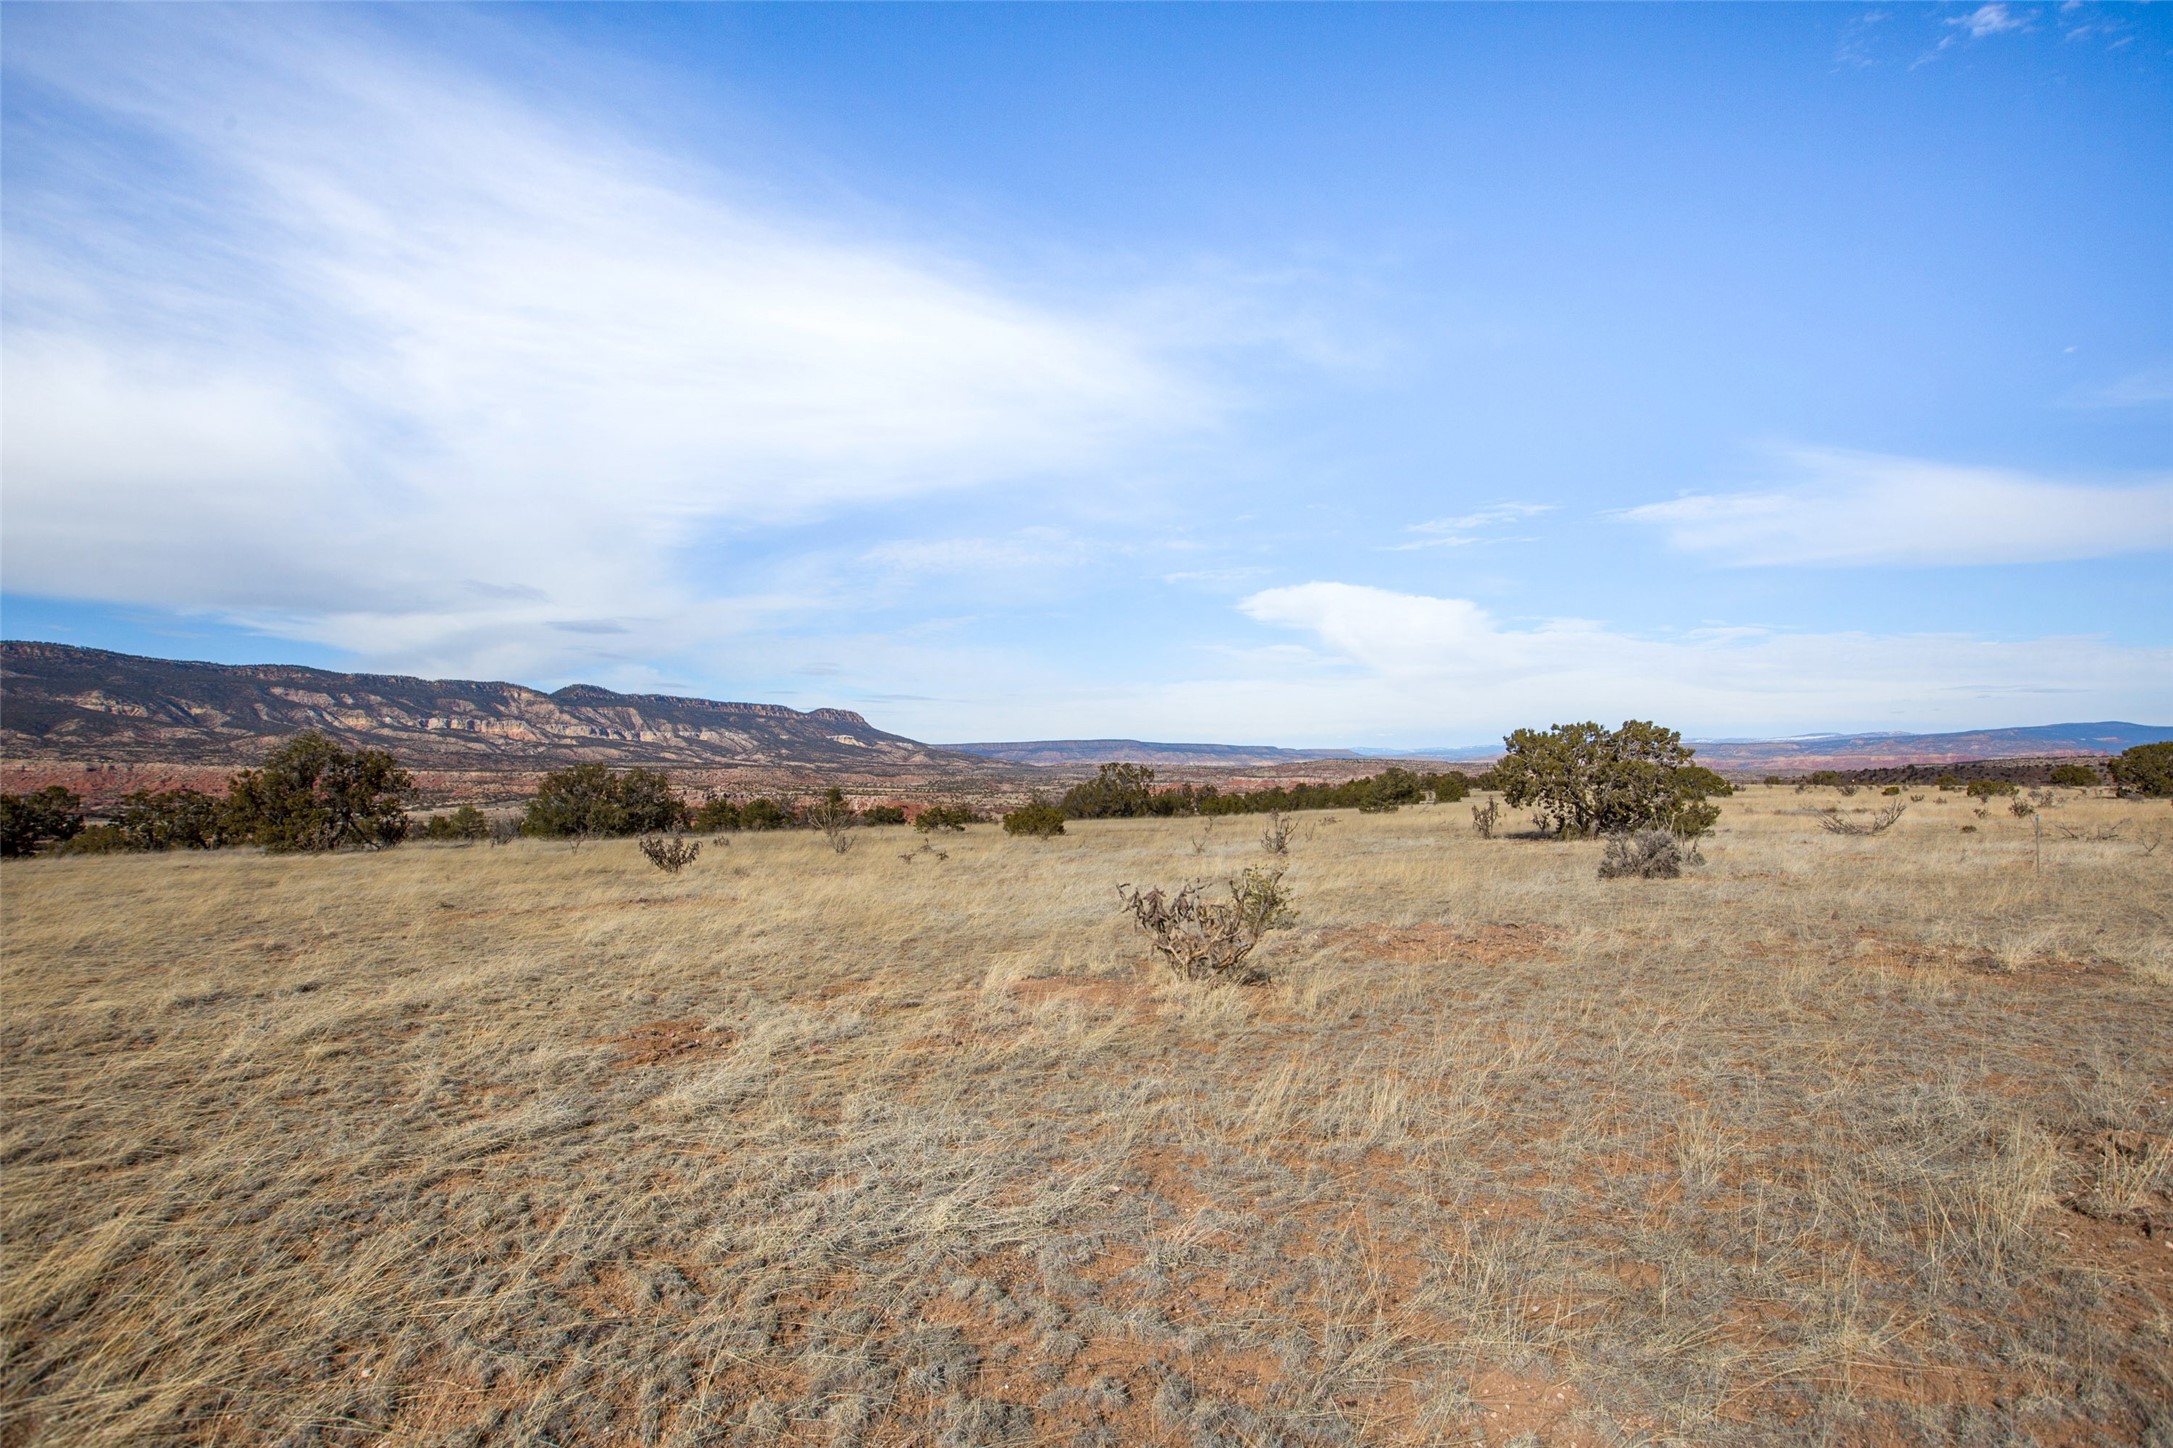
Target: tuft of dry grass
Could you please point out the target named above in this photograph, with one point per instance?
(1852, 1139)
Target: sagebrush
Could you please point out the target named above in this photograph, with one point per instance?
(1642, 855)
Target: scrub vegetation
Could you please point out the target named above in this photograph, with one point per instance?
(1834, 1138)
(1128, 791)
(309, 795)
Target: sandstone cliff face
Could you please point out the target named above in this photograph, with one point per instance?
(62, 702)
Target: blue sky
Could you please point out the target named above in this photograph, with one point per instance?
(1307, 375)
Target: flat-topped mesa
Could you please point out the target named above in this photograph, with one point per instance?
(593, 694)
(62, 702)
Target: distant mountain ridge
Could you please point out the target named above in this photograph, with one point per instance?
(1796, 755)
(59, 701)
(1087, 753)
(1875, 751)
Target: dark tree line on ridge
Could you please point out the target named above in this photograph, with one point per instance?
(1127, 791)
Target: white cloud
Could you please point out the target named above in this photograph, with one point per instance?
(1464, 530)
(1994, 19)
(1847, 509)
(1352, 665)
(402, 364)
(1418, 668)
(1978, 24)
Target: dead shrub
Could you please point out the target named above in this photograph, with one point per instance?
(2099, 834)
(670, 853)
(1878, 824)
(1282, 829)
(833, 816)
(1485, 817)
(1205, 939)
(1642, 855)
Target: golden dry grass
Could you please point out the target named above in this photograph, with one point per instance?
(1855, 1140)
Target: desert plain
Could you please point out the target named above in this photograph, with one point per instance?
(1835, 1139)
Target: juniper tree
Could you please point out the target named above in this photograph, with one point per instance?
(29, 820)
(1586, 780)
(310, 794)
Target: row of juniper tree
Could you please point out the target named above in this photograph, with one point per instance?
(1581, 779)
(311, 794)
(1128, 791)
(590, 800)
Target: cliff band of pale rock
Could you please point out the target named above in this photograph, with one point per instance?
(57, 701)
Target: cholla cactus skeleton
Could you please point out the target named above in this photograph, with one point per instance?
(670, 853)
(1880, 823)
(1210, 939)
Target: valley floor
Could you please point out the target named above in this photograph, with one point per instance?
(1835, 1139)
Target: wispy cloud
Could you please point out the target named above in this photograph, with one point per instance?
(1432, 668)
(1029, 548)
(1855, 48)
(1462, 531)
(1843, 509)
(1979, 24)
(1215, 577)
(2150, 387)
(307, 329)
(1992, 19)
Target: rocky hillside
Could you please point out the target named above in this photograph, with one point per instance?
(58, 702)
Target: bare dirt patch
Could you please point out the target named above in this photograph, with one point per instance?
(1098, 998)
(1433, 944)
(1515, 1405)
(669, 1041)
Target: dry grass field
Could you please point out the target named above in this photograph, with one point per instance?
(1834, 1140)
